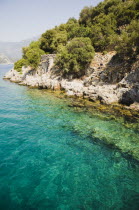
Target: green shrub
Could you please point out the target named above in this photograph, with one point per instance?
(32, 54)
(18, 65)
(75, 56)
(108, 20)
(32, 45)
(105, 52)
(33, 57)
(128, 44)
(51, 39)
(112, 24)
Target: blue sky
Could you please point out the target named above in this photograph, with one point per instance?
(23, 19)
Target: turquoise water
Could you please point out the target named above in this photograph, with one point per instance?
(49, 158)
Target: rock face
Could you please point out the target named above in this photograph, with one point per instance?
(91, 86)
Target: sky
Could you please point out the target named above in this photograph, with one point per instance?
(24, 19)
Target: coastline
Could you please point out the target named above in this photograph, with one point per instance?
(126, 116)
(94, 85)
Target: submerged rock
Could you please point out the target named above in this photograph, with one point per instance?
(82, 92)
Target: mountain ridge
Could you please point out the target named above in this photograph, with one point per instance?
(12, 51)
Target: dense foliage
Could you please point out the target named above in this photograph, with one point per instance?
(74, 57)
(128, 43)
(31, 56)
(18, 65)
(112, 25)
(52, 39)
(108, 21)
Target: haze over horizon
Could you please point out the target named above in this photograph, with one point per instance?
(21, 20)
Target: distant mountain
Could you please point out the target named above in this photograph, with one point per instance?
(12, 51)
(4, 59)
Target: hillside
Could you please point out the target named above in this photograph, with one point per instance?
(112, 25)
(99, 53)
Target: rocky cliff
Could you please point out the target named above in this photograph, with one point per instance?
(97, 84)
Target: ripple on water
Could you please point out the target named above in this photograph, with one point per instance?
(51, 158)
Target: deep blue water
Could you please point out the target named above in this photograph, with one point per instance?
(48, 161)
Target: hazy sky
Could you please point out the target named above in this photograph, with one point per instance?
(23, 19)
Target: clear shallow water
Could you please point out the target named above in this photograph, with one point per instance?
(49, 161)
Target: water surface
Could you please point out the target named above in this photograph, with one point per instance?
(51, 159)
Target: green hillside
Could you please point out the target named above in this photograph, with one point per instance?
(111, 25)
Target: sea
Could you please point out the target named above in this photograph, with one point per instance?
(52, 156)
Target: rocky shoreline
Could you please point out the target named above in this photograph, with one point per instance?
(90, 93)
(92, 86)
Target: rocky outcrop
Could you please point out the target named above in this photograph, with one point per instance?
(92, 86)
(15, 76)
(128, 87)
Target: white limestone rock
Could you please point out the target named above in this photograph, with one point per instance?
(91, 86)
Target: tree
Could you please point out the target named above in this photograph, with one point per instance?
(128, 44)
(33, 57)
(75, 56)
(18, 65)
(103, 29)
(32, 45)
(51, 39)
(85, 16)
